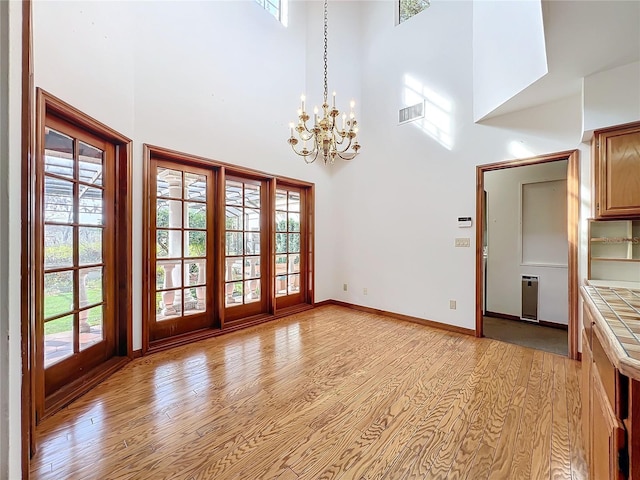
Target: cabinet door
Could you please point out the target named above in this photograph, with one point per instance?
(617, 154)
(586, 396)
(607, 434)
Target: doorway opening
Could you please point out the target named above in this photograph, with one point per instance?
(564, 256)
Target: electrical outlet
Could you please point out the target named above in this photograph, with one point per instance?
(452, 304)
(463, 242)
(364, 291)
(344, 287)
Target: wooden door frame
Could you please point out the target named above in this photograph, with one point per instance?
(573, 219)
(48, 105)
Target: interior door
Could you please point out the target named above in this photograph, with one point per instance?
(182, 255)
(75, 304)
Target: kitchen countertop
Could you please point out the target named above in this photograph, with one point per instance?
(616, 313)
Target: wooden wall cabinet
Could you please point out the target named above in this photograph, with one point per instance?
(616, 153)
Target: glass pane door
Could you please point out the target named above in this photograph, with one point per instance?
(289, 260)
(243, 283)
(182, 255)
(76, 211)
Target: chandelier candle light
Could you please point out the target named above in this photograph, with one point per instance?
(326, 138)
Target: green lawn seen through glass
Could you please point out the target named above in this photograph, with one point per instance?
(58, 303)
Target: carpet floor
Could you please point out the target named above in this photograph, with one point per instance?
(530, 335)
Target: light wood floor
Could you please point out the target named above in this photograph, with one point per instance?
(330, 393)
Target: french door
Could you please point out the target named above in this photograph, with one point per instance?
(75, 325)
(290, 245)
(181, 257)
(224, 247)
(245, 250)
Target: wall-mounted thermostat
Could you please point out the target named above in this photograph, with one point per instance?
(464, 222)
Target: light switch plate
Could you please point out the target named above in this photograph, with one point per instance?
(463, 242)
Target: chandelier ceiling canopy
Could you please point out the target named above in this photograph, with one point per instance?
(325, 139)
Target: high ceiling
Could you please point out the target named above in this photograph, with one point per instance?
(582, 37)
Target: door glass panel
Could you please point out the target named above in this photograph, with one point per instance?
(242, 242)
(233, 244)
(58, 246)
(58, 340)
(281, 200)
(234, 269)
(233, 193)
(91, 327)
(195, 187)
(195, 273)
(288, 243)
(294, 263)
(169, 183)
(58, 153)
(294, 243)
(294, 202)
(294, 284)
(90, 206)
(281, 243)
(251, 219)
(294, 222)
(251, 195)
(234, 218)
(253, 243)
(90, 164)
(233, 294)
(252, 291)
(196, 214)
(168, 213)
(168, 305)
(191, 301)
(58, 200)
(195, 243)
(58, 293)
(252, 267)
(90, 288)
(90, 245)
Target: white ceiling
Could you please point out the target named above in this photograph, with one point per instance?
(582, 37)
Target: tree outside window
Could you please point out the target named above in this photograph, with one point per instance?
(409, 8)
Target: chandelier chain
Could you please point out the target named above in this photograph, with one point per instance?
(326, 91)
(328, 139)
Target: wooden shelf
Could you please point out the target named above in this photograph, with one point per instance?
(614, 259)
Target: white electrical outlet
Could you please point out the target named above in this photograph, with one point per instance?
(364, 291)
(344, 287)
(452, 304)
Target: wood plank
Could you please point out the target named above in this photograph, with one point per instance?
(328, 393)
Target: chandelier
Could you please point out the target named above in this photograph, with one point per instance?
(325, 137)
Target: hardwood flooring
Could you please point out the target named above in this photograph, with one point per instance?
(329, 393)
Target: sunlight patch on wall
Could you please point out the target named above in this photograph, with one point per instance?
(437, 121)
(518, 150)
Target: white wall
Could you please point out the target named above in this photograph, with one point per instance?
(611, 97)
(216, 79)
(508, 56)
(10, 221)
(505, 259)
(398, 203)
